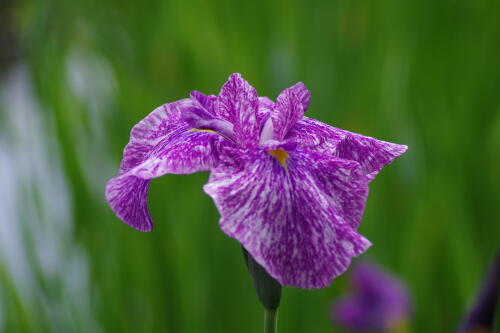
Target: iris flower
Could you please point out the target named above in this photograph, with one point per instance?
(289, 188)
(378, 302)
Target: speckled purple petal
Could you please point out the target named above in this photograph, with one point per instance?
(266, 105)
(294, 220)
(372, 154)
(302, 93)
(160, 124)
(182, 153)
(160, 143)
(287, 111)
(207, 101)
(127, 196)
(196, 116)
(314, 135)
(238, 103)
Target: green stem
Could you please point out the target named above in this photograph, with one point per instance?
(271, 321)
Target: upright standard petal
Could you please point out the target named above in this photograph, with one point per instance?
(372, 154)
(288, 111)
(238, 103)
(292, 219)
(302, 93)
(161, 143)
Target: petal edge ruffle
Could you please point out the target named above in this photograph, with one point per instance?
(284, 217)
(372, 154)
(180, 153)
(238, 103)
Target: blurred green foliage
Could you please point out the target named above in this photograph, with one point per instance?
(419, 72)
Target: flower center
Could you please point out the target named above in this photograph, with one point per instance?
(280, 154)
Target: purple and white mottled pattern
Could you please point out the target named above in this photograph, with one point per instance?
(290, 189)
(371, 153)
(161, 143)
(206, 101)
(287, 111)
(159, 124)
(238, 103)
(294, 220)
(265, 107)
(377, 302)
(198, 117)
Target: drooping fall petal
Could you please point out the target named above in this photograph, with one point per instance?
(293, 219)
(161, 143)
(372, 154)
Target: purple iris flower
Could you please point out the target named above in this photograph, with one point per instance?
(378, 302)
(289, 188)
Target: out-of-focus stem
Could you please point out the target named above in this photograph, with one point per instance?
(271, 321)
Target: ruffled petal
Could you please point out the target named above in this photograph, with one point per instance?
(294, 220)
(238, 103)
(302, 93)
(127, 197)
(372, 154)
(266, 105)
(314, 135)
(160, 124)
(188, 152)
(180, 150)
(207, 101)
(198, 117)
(288, 110)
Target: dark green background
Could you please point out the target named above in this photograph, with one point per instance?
(424, 73)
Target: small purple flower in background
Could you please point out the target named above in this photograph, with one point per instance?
(289, 188)
(378, 302)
